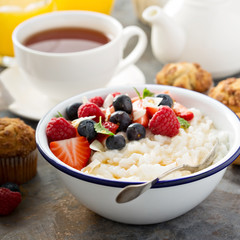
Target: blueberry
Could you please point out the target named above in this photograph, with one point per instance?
(115, 142)
(166, 100)
(135, 131)
(86, 129)
(122, 119)
(11, 186)
(72, 111)
(122, 103)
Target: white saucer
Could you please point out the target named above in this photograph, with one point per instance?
(32, 104)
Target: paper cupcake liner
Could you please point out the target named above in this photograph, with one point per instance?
(18, 169)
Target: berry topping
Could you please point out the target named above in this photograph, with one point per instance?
(97, 100)
(59, 129)
(72, 111)
(112, 127)
(182, 111)
(122, 103)
(115, 142)
(9, 200)
(164, 122)
(91, 109)
(135, 131)
(95, 122)
(86, 129)
(166, 100)
(122, 119)
(75, 152)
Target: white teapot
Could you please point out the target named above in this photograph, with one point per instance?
(202, 31)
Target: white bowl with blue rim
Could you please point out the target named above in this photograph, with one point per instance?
(168, 199)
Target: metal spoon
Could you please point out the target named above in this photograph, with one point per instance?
(133, 191)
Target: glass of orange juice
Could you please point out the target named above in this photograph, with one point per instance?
(13, 12)
(103, 6)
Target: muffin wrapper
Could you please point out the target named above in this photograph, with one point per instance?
(18, 169)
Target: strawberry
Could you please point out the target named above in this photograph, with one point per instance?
(182, 111)
(151, 111)
(9, 200)
(75, 152)
(164, 122)
(138, 108)
(97, 100)
(59, 129)
(134, 99)
(112, 127)
(115, 94)
(143, 120)
(91, 109)
(107, 112)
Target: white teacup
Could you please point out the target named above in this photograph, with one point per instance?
(62, 75)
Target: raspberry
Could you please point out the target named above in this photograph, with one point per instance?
(9, 200)
(91, 109)
(164, 122)
(59, 129)
(97, 100)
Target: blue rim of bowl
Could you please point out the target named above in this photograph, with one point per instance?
(121, 184)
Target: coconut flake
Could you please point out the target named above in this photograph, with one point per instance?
(108, 101)
(139, 113)
(84, 100)
(76, 122)
(152, 101)
(90, 167)
(97, 146)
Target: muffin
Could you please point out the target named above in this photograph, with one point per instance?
(228, 92)
(185, 75)
(18, 154)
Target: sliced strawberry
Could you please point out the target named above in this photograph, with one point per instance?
(134, 99)
(107, 112)
(151, 111)
(116, 94)
(182, 111)
(75, 152)
(139, 108)
(143, 120)
(112, 127)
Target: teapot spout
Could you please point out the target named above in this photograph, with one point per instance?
(167, 38)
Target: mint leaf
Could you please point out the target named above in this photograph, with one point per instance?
(138, 93)
(58, 115)
(99, 128)
(147, 93)
(183, 123)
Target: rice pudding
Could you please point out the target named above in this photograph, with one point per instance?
(147, 158)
